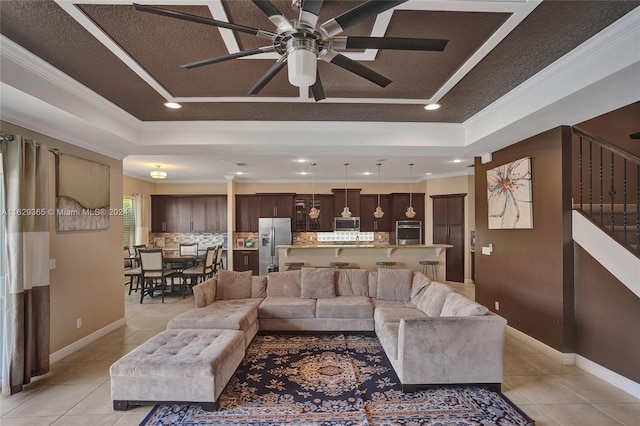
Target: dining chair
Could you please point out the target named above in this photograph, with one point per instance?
(130, 271)
(154, 274)
(128, 262)
(217, 264)
(136, 249)
(195, 274)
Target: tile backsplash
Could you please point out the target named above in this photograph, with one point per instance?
(173, 240)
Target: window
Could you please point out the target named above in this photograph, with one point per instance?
(129, 221)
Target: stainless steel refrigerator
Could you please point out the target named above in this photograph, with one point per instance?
(272, 232)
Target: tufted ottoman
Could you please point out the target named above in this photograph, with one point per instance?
(177, 366)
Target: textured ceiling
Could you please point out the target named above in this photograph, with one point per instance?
(132, 59)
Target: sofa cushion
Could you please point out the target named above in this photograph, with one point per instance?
(419, 283)
(373, 284)
(317, 283)
(344, 307)
(205, 292)
(352, 282)
(377, 304)
(394, 284)
(432, 298)
(458, 305)
(259, 287)
(395, 314)
(287, 307)
(233, 285)
(283, 284)
(232, 314)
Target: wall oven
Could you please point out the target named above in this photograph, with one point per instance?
(408, 232)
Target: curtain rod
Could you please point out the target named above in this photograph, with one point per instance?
(3, 136)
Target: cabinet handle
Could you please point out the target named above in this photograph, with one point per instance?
(275, 210)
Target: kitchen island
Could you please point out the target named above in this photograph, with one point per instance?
(364, 256)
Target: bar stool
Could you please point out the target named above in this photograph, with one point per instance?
(434, 267)
(386, 265)
(338, 265)
(294, 266)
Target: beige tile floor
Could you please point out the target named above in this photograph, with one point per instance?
(76, 391)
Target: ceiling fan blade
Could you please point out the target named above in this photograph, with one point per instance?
(635, 135)
(396, 43)
(310, 11)
(268, 76)
(274, 15)
(355, 67)
(228, 57)
(202, 20)
(356, 15)
(317, 90)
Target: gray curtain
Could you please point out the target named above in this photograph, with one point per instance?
(25, 342)
(142, 204)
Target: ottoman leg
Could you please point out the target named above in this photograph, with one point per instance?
(120, 405)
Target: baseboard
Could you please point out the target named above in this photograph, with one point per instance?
(611, 377)
(79, 344)
(560, 357)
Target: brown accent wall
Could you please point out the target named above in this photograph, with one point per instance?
(530, 272)
(607, 316)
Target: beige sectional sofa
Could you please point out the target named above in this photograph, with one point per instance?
(431, 334)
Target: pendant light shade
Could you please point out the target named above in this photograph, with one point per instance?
(314, 213)
(345, 212)
(157, 173)
(378, 214)
(410, 213)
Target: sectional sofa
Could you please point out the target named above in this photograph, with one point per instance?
(432, 335)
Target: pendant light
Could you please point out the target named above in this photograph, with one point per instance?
(410, 213)
(345, 212)
(378, 213)
(313, 213)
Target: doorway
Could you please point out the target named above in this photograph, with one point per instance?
(448, 228)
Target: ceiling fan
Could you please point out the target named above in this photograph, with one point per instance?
(302, 42)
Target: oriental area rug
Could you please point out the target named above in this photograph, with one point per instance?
(335, 380)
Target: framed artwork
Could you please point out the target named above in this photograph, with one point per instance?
(82, 194)
(509, 195)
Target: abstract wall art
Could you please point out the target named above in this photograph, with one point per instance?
(82, 194)
(509, 195)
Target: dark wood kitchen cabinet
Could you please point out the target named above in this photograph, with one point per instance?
(246, 260)
(448, 228)
(368, 222)
(276, 205)
(303, 204)
(352, 199)
(247, 213)
(206, 213)
(399, 204)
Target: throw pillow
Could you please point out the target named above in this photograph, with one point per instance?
(205, 292)
(317, 283)
(234, 285)
(373, 284)
(394, 284)
(420, 282)
(431, 300)
(352, 282)
(283, 284)
(258, 287)
(457, 305)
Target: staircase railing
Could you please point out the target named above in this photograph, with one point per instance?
(609, 188)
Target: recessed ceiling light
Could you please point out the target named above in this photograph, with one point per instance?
(366, 173)
(431, 107)
(301, 160)
(172, 105)
(239, 173)
(304, 173)
(428, 173)
(457, 160)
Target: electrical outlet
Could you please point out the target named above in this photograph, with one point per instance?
(497, 305)
(52, 264)
(79, 323)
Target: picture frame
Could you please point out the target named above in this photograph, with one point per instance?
(509, 195)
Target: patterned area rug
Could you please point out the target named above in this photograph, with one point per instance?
(335, 380)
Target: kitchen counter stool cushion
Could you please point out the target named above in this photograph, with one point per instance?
(234, 285)
(188, 366)
(317, 283)
(394, 284)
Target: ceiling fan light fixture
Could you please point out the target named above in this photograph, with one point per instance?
(302, 65)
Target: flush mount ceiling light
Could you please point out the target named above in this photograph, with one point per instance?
(432, 107)
(410, 213)
(302, 42)
(157, 173)
(345, 212)
(172, 105)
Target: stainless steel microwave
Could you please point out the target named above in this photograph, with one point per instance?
(346, 224)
